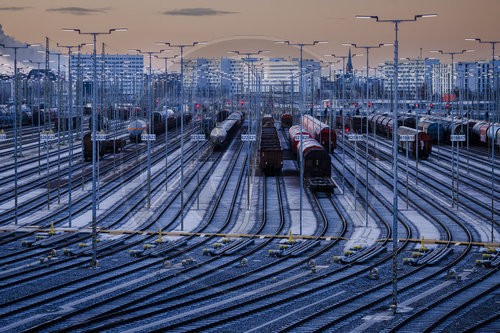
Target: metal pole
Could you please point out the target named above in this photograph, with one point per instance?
(59, 105)
(46, 93)
(151, 130)
(301, 105)
(70, 127)
(395, 173)
(166, 125)
(367, 113)
(182, 137)
(15, 135)
(94, 126)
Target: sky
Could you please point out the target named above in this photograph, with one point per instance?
(253, 24)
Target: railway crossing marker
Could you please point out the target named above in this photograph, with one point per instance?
(148, 137)
(248, 137)
(3, 136)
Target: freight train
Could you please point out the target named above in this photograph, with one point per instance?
(321, 132)
(316, 162)
(286, 121)
(103, 147)
(138, 126)
(270, 150)
(223, 132)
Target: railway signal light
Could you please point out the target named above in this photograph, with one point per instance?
(447, 105)
(432, 105)
(229, 102)
(355, 103)
(197, 106)
(369, 104)
(242, 102)
(327, 105)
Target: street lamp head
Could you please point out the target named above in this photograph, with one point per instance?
(200, 43)
(281, 42)
(166, 50)
(162, 43)
(386, 44)
(436, 51)
(73, 30)
(349, 44)
(425, 15)
(320, 42)
(367, 17)
(33, 45)
(118, 29)
(473, 39)
(134, 50)
(468, 51)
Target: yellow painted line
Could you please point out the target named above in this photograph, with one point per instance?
(436, 241)
(180, 233)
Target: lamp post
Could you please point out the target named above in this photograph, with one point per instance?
(166, 113)
(301, 107)
(70, 124)
(249, 129)
(94, 262)
(396, 23)
(15, 48)
(492, 116)
(450, 100)
(367, 48)
(342, 110)
(182, 47)
(150, 112)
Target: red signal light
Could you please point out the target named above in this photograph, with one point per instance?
(432, 105)
(448, 105)
(347, 130)
(356, 104)
(229, 102)
(157, 100)
(242, 102)
(369, 105)
(327, 105)
(272, 102)
(197, 106)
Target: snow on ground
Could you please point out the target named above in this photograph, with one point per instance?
(292, 188)
(43, 168)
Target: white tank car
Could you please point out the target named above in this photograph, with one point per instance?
(219, 135)
(135, 129)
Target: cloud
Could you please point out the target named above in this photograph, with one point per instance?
(79, 10)
(14, 8)
(196, 12)
(22, 54)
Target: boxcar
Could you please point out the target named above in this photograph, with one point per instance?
(423, 142)
(270, 150)
(286, 120)
(292, 132)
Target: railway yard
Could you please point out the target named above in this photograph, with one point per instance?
(218, 232)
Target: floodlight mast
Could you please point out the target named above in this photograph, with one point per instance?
(396, 23)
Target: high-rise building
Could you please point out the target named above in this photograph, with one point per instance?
(126, 69)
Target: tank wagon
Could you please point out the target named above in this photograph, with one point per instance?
(320, 131)
(316, 162)
(222, 133)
